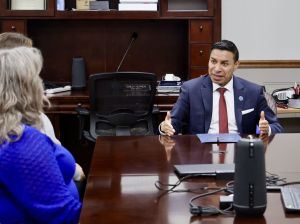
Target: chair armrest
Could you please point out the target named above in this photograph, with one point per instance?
(82, 114)
(155, 110)
(82, 111)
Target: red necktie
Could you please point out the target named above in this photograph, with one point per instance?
(223, 123)
(223, 120)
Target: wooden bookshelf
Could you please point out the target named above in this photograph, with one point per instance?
(175, 39)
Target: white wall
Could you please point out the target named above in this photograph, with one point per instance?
(271, 78)
(264, 30)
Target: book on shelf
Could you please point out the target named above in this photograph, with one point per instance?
(137, 7)
(138, 1)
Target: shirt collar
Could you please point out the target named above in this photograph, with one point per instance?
(228, 86)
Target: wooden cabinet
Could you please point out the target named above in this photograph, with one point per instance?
(200, 40)
(197, 71)
(201, 31)
(14, 25)
(187, 8)
(199, 54)
(175, 39)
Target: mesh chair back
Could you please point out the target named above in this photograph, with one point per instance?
(121, 103)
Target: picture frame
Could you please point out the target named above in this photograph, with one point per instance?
(27, 4)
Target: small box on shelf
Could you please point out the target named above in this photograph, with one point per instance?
(99, 5)
(83, 4)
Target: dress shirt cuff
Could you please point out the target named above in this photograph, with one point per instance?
(270, 130)
(258, 131)
(159, 129)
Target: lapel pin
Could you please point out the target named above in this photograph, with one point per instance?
(241, 98)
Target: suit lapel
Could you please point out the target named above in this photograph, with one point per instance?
(206, 92)
(239, 98)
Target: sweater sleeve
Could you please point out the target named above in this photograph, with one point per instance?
(31, 174)
(65, 162)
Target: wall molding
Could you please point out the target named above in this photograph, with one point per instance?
(269, 64)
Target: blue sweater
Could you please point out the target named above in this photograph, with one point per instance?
(36, 184)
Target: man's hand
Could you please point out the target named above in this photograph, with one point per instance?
(263, 124)
(166, 125)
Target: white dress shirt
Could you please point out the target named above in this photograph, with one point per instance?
(229, 98)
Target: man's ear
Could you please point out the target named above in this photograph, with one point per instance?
(236, 65)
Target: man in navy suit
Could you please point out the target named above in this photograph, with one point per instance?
(197, 107)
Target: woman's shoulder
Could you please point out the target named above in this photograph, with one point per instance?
(34, 140)
(30, 132)
(31, 148)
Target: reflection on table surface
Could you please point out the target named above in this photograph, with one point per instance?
(124, 169)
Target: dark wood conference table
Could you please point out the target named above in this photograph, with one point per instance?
(120, 186)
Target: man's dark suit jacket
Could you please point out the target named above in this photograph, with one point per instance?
(193, 108)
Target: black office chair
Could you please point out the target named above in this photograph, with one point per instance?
(270, 100)
(121, 104)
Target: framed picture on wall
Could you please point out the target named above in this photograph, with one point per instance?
(27, 4)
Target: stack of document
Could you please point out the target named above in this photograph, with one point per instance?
(169, 86)
(138, 5)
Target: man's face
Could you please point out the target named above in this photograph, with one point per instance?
(221, 66)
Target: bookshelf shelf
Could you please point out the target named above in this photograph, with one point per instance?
(112, 14)
(170, 40)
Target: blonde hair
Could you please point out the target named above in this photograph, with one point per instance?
(12, 39)
(21, 91)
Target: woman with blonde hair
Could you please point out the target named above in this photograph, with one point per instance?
(10, 40)
(36, 184)
(14, 39)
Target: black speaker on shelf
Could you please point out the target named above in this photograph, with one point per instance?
(250, 193)
(78, 73)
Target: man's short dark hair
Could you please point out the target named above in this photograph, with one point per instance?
(227, 45)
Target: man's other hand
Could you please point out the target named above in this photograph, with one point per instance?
(263, 124)
(166, 125)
